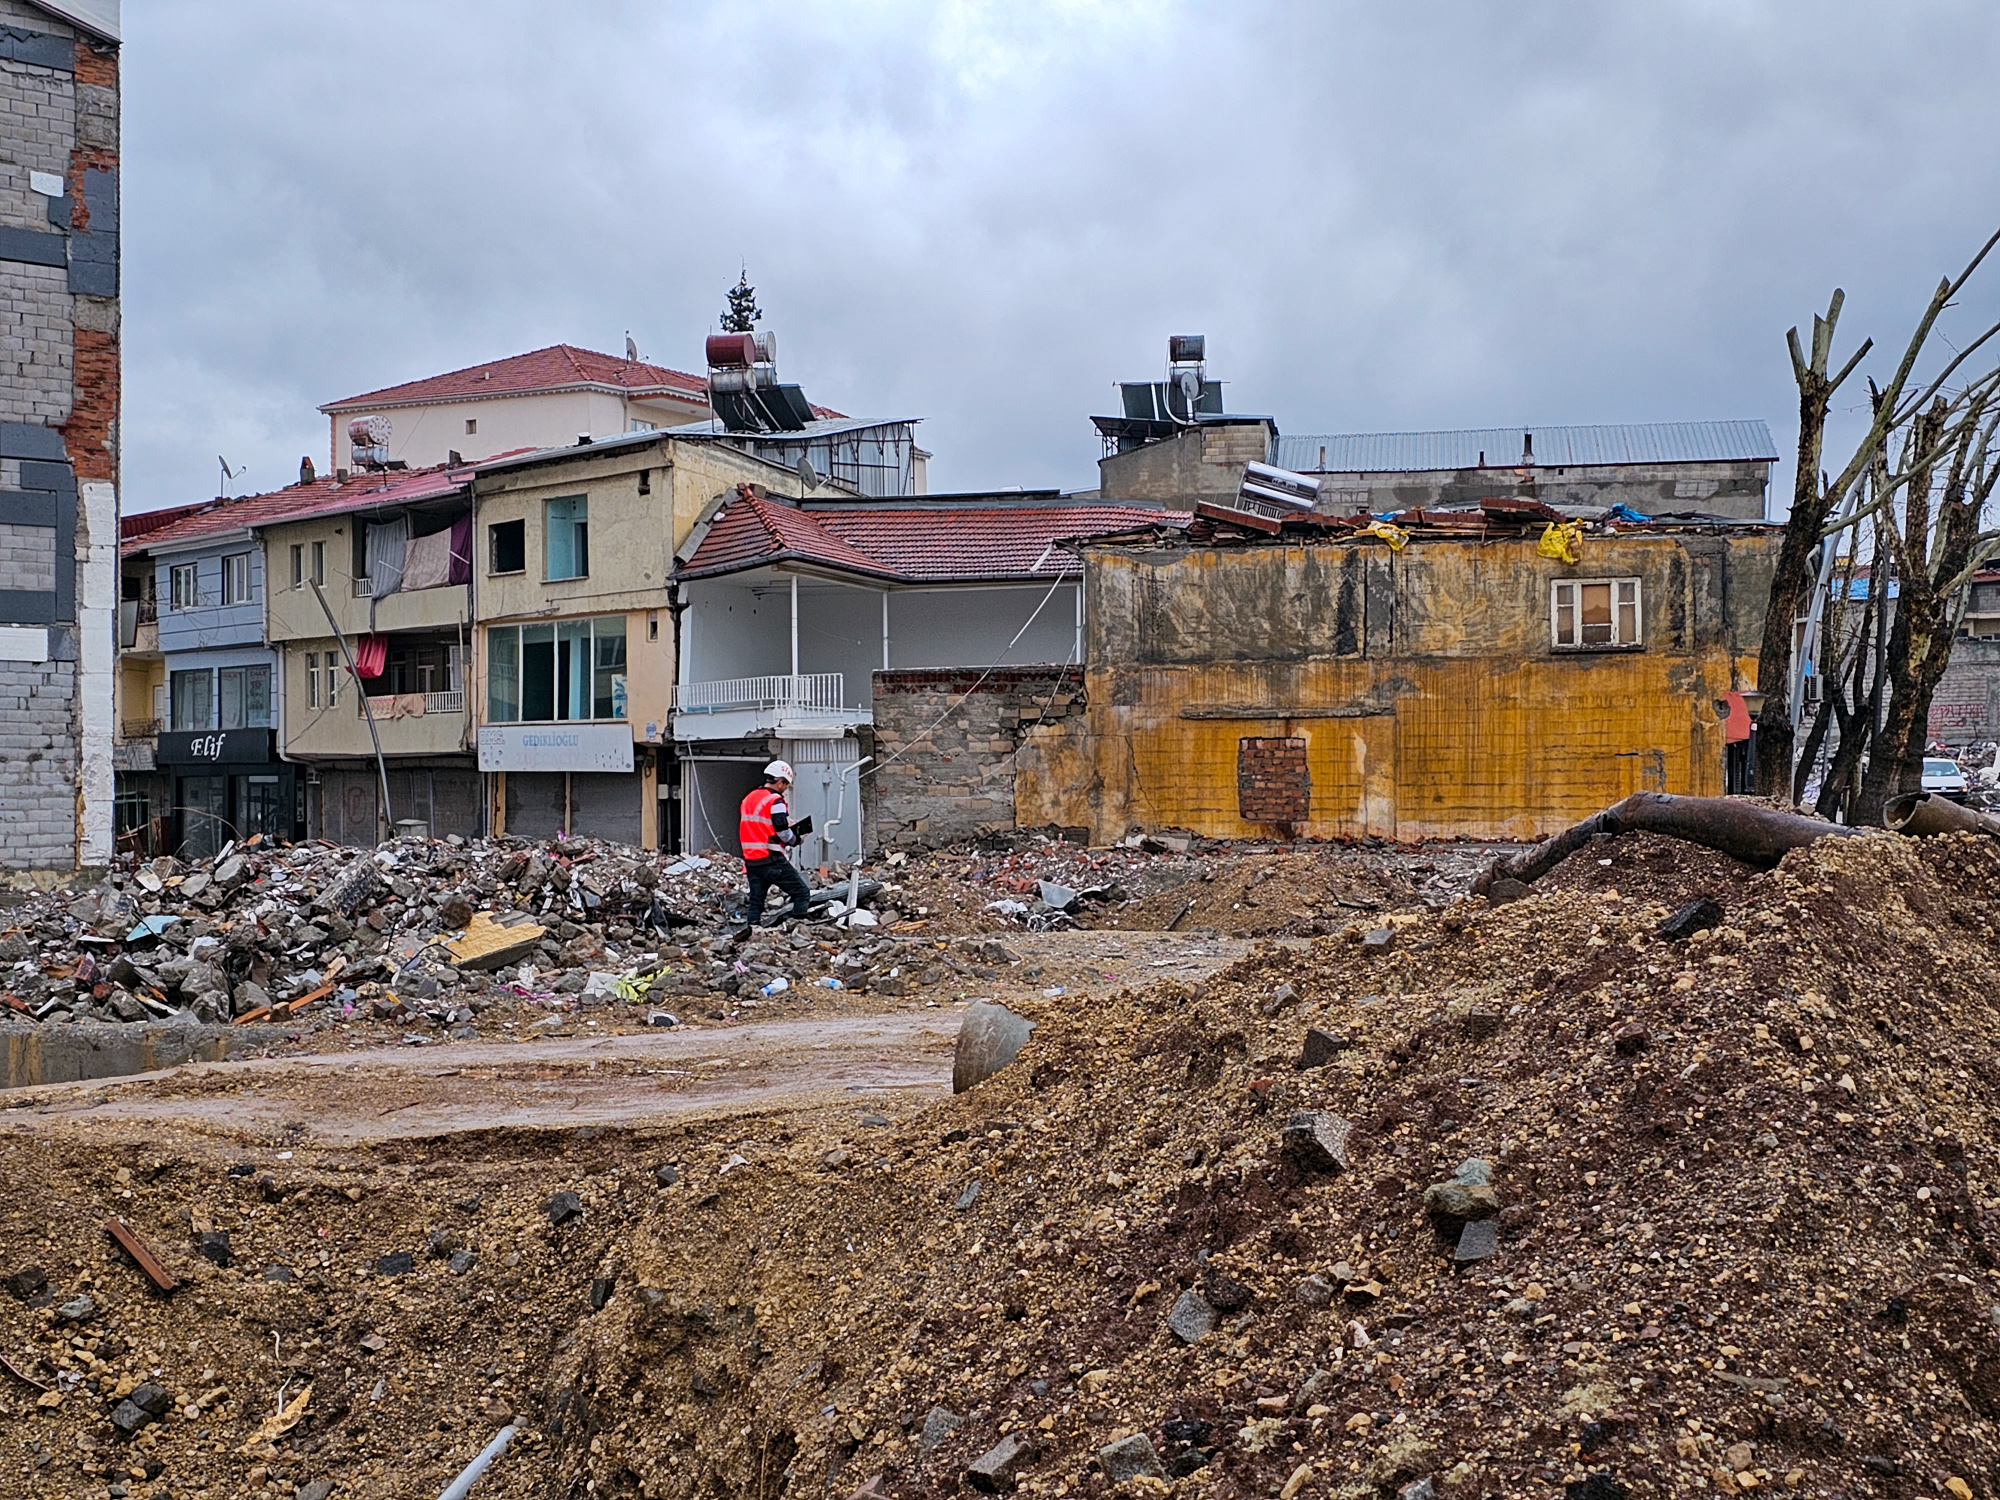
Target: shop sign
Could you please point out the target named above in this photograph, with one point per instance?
(555, 747)
(208, 747)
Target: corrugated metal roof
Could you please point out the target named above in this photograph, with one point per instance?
(1555, 447)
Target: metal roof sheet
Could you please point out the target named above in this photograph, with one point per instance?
(1555, 447)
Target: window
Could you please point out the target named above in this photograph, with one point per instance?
(194, 699)
(236, 578)
(332, 680)
(298, 565)
(471, 426)
(244, 697)
(635, 424)
(319, 564)
(573, 669)
(1587, 614)
(181, 581)
(566, 534)
(507, 547)
(312, 679)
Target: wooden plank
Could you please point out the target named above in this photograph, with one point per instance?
(135, 1247)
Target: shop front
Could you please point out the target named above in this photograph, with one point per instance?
(227, 785)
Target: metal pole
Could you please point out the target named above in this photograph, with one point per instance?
(885, 630)
(795, 629)
(387, 819)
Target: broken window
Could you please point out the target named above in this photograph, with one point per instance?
(508, 547)
(1587, 614)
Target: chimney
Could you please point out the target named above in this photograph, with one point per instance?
(1527, 447)
(306, 474)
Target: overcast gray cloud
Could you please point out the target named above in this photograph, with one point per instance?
(1383, 216)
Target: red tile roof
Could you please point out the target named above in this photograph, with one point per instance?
(904, 543)
(296, 502)
(558, 367)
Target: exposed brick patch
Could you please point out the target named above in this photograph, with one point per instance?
(87, 433)
(95, 66)
(1273, 784)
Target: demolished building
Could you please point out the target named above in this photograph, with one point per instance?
(1442, 677)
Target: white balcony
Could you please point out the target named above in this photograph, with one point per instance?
(810, 706)
(403, 705)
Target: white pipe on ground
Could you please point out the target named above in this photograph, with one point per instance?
(462, 1486)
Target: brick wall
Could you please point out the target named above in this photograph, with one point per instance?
(945, 743)
(38, 754)
(1272, 782)
(59, 392)
(1966, 705)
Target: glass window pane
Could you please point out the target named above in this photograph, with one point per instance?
(503, 675)
(1565, 614)
(538, 672)
(573, 669)
(608, 697)
(191, 692)
(1596, 613)
(257, 697)
(231, 697)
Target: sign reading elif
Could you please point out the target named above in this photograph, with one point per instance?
(555, 747)
(214, 747)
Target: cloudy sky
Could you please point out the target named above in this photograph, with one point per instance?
(1383, 216)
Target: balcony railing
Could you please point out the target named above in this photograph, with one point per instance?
(139, 729)
(398, 705)
(364, 588)
(815, 692)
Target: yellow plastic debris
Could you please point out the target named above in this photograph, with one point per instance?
(1563, 540)
(1395, 536)
(488, 945)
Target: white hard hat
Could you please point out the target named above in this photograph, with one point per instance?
(779, 770)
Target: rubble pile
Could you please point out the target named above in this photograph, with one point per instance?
(437, 933)
(1497, 1201)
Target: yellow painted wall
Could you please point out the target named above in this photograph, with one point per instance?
(294, 614)
(1424, 684)
(339, 730)
(137, 677)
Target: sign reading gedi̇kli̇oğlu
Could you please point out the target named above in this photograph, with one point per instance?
(555, 747)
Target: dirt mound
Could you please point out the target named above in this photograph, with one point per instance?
(1745, 1191)
(1741, 1189)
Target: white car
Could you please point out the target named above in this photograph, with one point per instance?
(1944, 778)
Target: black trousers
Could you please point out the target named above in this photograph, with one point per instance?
(775, 871)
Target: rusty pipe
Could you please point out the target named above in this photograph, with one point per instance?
(1926, 814)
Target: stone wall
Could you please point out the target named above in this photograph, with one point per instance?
(945, 742)
(1966, 705)
(59, 393)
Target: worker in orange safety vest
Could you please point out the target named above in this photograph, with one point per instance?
(766, 827)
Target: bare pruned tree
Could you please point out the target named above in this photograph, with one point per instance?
(1823, 505)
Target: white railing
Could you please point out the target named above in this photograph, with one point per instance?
(382, 705)
(814, 692)
(364, 588)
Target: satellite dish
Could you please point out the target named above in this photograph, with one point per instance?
(631, 350)
(808, 475)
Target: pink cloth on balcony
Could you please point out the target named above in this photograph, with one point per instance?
(371, 655)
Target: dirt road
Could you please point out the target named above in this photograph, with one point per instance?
(580, 1078)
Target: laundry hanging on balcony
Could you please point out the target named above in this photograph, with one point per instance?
(428, 565)
(388, 546)
(371, 654)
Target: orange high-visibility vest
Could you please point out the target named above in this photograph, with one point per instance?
(755, 830)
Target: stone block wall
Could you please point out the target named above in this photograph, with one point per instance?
(945, 742)
(38, 756)
(1966, 705)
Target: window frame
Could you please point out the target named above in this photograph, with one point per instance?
(1566, 598)
(298, 565)
(190, 597)
(608, 684)
(579, 524)
(493, 530)
(312, 679)
(189, 676)
(238, 563)
(319, 563)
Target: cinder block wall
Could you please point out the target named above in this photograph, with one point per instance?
(945, 741)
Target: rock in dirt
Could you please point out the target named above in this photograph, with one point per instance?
(564, 1206)
(1191, 1319)
(396, 1263)
(1313, 1291)
(1465, 1196)
(996, 1470)
(1696, 916)
(1321, 1047)
(939, 1423)
(27, 1281)
(1317, 1140)
(1130, 1458)
(1478, 1240)
(990, 1037)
